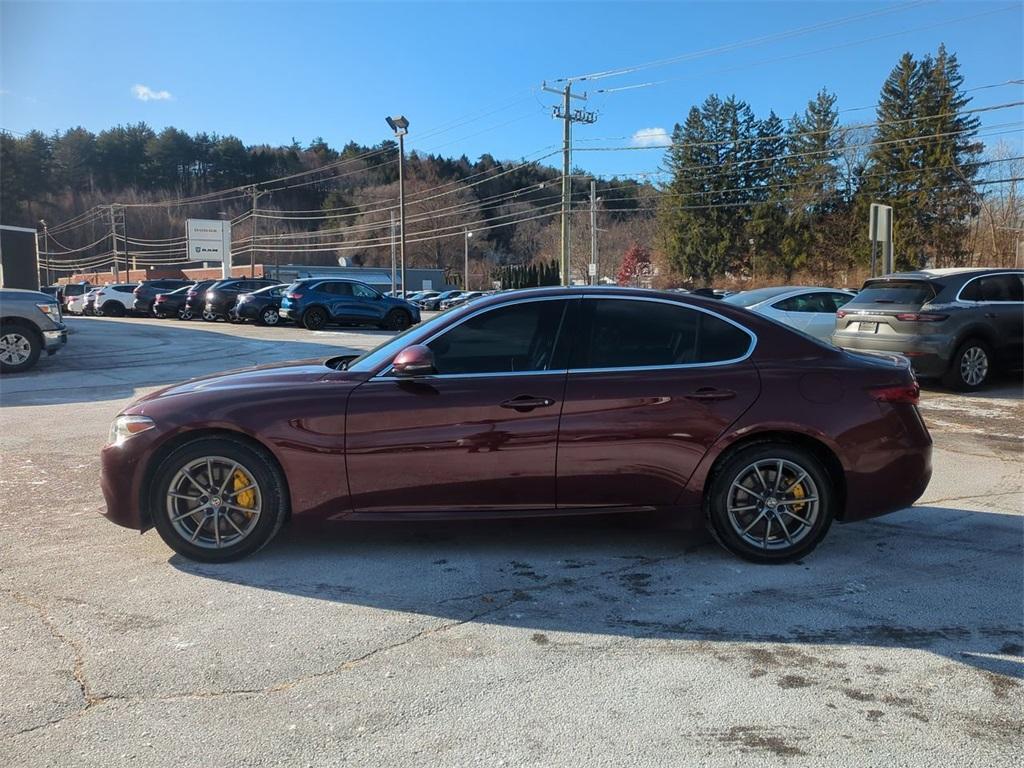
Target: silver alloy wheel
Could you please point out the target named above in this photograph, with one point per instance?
(208, 315)
(15, 348)
(214, 502)
(270, 316)
(773, 504)
(973, 366)
(185, 314)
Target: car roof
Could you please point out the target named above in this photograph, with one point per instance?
(935, 274)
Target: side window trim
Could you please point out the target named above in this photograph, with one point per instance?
(385, 371)
(1019, 275)
(673, 366)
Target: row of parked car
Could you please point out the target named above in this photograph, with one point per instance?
(312, 302)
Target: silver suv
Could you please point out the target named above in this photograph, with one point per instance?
(30, 323)
(956, 325)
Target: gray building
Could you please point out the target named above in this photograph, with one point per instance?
(378, 277)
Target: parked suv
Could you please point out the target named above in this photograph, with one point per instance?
(71, 290)
(956, 325)
(30, 323)
(195, 300)
(146, 291)
(114, 300)
(315, 302)
(221, 296)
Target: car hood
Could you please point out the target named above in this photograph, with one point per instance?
(246, 382)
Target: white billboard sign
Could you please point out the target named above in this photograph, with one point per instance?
(210, 240)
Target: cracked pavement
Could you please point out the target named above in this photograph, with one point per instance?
(900, 641)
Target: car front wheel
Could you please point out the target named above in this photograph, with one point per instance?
(269, 316)
(971, 366)
(770, 503)
(19, 348)
(217, 499)
(209, 316)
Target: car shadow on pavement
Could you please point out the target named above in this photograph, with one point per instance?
(943, 580)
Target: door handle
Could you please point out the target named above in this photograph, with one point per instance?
(990, 315)
(710, 393)
(525, 403)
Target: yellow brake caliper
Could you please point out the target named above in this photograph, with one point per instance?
(246, 498)
(800, 493)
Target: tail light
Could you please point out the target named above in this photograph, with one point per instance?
(921, 317)
(841, 313)
(294, 296)
(901, 393)
(136, 291)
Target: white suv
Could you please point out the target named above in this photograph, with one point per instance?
(114, 300)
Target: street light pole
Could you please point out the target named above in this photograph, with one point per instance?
(465, 279)
(400, 125)
(46, 249)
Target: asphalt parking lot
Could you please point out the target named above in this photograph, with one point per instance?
(900, 641)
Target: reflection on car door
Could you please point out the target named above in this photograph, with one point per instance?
(481, 434)
(652, 385)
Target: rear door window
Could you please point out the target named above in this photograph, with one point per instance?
(626, 333)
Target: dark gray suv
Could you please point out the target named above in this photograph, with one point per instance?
(956, 325)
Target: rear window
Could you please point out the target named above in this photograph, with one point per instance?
(902, 292)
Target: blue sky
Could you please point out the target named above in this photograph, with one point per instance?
(467, 75)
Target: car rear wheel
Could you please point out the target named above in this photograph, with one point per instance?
(269, 316)
(770, 503)
(314, 319)
(971, 366)
(209, 316)
(217, 499)
(19, 348)
(397, 320)
(112, 309)
(184, 313)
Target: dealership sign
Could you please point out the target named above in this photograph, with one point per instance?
(209, 240)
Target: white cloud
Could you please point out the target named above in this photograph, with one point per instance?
(145, 93)
(651, 137)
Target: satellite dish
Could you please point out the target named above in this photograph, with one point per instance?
(342, 261)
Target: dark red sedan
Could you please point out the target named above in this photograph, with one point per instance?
(549, 401)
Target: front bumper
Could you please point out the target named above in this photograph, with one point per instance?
(121, 473)
(929, 359)
(55, 338)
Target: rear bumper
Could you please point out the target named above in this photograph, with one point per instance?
(246, 311)
(928, 358)
(144, 306)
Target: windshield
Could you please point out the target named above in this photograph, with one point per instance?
(901, 292)
(756, 296)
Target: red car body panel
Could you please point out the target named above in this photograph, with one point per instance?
(351, 445)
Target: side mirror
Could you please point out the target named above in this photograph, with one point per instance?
(416, 360)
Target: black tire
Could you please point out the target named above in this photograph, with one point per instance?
(314, 319)
(254, 461)
(971, 366)
(397, 320)
(735, 470)
(113, 309)
(20, 348)
(269, 316)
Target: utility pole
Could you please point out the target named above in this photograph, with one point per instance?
(592, 272)
(465, 279)
(401, 207)
(46, 249)
(392, 253)
(252, 241)
(113, 242)
(568, 116)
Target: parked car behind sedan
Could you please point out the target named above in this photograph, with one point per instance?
(221, 296)
(433, 303)
(30, 324)
(195, 300)
(115, 300)
(651, 401)
(146, 292)
(260, 306)
(957, 325)
(75, 305)
(72, 290)
(459, 300)
(806, 308)
(170, 304)
(316, 301)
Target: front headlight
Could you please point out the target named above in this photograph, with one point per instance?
(52, 311)
(126, 426)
